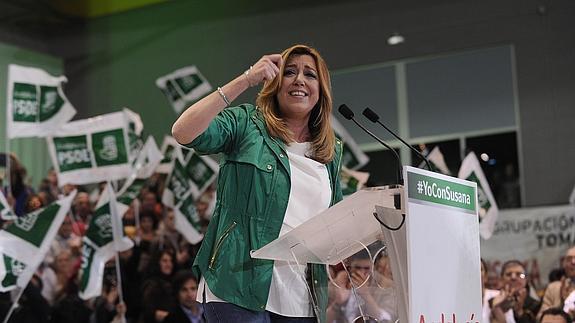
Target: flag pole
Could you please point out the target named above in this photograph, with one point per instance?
(14, 304)
(119, 283)
(117, 235)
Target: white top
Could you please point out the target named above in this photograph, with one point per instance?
(489, 294)
(310, 194)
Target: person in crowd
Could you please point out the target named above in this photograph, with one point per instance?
(487, 293)
(280, 167)
(147, 237)
(107, 307)
(376, 302)
(65, 239)
(82, 210)
(514, 304)
(157, 296)
(169, 237)
(19, 190)
(69, 307)
(32, 307)
(49, 189)
(188, 310)
(555, 315)
(556, 292)
(150, 203)
(33, 203)
(55, 277)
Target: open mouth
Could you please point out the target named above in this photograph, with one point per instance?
(297, 93)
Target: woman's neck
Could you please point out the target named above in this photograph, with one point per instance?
(299, 128)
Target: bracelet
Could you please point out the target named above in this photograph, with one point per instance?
(223, 96)
(246, 75)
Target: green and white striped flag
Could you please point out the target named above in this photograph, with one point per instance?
(103, 239)
(25, 242)
(6, 212)
(95, 149)
(36, 104)
(184, 87)
(488, 212)
(352, 181)
(144, 167)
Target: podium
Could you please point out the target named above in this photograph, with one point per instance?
(430, 232)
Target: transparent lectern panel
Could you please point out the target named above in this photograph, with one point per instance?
(361, 287)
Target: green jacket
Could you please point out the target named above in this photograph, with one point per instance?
(252, 197)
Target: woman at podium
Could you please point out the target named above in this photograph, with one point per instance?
(280, 166)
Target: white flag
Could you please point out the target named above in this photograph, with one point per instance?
(488, 212)
(103, 239)
(353, 157)
(183, 87)
(185, 183)
(6, 212)
(436, 158)
(144, 167)
(572, 197)
(171, 149)
(25, 242)
(93, 150)
(36, 104)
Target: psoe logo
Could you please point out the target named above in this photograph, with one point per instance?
(27, 222)
(104, 224)
(109, 149)
(17, 267)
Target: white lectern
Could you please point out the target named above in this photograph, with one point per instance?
(434, 255)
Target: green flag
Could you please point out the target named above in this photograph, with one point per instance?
(25, 242)
(103, 239)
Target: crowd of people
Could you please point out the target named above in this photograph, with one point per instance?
(280, 166)
(158, 285)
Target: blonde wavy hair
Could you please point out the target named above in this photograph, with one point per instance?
(321, 132)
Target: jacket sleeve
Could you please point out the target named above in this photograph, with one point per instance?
(223, 132)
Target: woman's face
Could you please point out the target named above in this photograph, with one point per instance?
(299, 91)
(166, 264)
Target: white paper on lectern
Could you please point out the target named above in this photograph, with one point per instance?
(335, 234)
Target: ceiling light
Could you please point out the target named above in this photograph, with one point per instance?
(395, 39)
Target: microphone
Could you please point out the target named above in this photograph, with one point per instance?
(373, 117)
(348, 114)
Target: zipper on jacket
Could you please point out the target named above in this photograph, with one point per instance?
(337, 170)
(219, 244)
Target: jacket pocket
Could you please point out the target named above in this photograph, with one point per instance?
(219, 244)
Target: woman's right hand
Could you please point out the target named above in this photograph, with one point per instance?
(265, 69)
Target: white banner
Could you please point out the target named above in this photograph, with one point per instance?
(471, 170)
(536, 236)
(36, 104)
(93, 150)
(183, 87)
